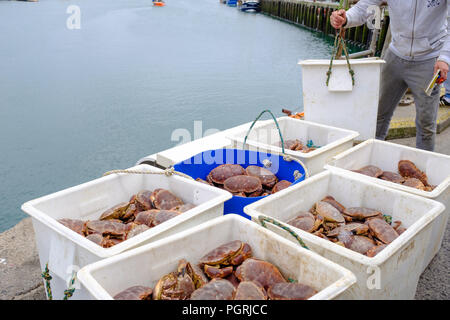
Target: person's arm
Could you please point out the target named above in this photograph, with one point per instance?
(444, 56)
(358, 15)
(355, 16)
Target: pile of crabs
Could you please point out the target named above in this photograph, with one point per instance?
(253, 181)
(297, 145)
(409, 175)
(145, 210)
(360, 229)
(229, 272)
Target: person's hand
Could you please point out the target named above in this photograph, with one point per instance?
(443, 67)
(338, 18)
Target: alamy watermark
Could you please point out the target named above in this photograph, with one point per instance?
(73, 22)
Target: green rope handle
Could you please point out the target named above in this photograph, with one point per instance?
(286, 157)
(47, 277)
(69, 292)
(263, 219)
(339, 39)
(168, 172)
(276, 123)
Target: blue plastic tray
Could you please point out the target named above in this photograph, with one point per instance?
(200, 165)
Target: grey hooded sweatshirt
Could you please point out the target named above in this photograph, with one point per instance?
(418, 27)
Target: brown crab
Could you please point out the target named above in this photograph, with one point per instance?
(328, 212)
(382, 230)
(305, 221)
(263, 272)
(334, 203)
(371, 171)
(221, 173)
(361, 213)
(249, 290)
(375, 250)
(290, 291)
(414, 183)
(282, 184)
(408, 169)
(175, 285)
(219, 262)
(359, 244)
(116, 212)
(142, 200)
(154, 217)
(135, 293)
(216, 289)
(79, 226)
(243, 183)
(165, 200)
(392, 177)
(110, 228)
(267, 178)
(136, 229)
(356, 228)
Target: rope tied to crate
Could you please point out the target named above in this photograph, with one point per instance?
(47, 277)
(263, 219)
(167, 172)
(286, 157)
(68, 293)
(339, 40)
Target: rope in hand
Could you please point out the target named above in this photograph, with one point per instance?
(339, 40)
(167, 172)
(263, 219)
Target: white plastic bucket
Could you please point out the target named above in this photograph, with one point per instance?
(386, 156)
(264, 137)
(149, 263)
(66, 251)
(340, 104)
(391, 274)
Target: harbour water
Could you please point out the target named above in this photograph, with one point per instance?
(75, 103)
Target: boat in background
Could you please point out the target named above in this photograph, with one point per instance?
(159, 3)
(232, 3)
(250, 6)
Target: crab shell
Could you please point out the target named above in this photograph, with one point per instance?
(359, 244)
(135, 293)
(372, 252)
(136, 229)
(392, 177)
(216, 289)
(176, 285)
(334, 203)
(165, 200)
(328, 212)
(305, 221)
(414, 183)
(263, 272)
(371, 171)
(292, 144)
(249, 290)
(223, 172)
(142, 200)
(290, 291)
(357, 228)
(382, 230)
(108, 228)
(267, 178)
(115, 212)
(242, 183)
(408, 169)
(231, 253)
(196, 275)
(79, 226)
(283, 184)
(217, 271)
(154, 217)
(361, 213)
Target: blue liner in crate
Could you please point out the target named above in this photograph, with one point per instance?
(200, 165)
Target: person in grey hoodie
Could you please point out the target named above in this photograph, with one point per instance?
(420, 46)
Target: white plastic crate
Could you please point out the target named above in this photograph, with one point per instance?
(391, 274)
(341, 104)
(66, 251)
(149, 263)
(264, 137)
(386, 156)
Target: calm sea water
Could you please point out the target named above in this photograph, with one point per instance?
(77, 103)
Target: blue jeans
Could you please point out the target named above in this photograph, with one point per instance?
(397, 75)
